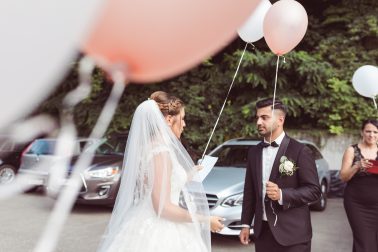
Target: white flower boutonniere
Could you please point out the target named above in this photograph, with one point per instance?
(287, 167)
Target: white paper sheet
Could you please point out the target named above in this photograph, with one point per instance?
(208, 163)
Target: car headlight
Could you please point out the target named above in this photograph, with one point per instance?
(106, 172)
(234, 200)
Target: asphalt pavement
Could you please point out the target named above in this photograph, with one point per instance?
(23, 219)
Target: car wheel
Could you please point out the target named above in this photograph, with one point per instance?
(321, 204)
(7, 173)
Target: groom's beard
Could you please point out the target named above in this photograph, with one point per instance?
(266, 132)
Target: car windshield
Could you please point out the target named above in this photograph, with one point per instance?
(106, 149)
(89, 145)
(119, 143)
(232, 156)
(120, 147)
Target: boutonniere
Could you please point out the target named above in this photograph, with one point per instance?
(287, 167)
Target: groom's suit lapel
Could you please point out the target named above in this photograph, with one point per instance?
(259, 167)
(281, 152)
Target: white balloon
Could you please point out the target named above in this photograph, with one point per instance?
(365, 81)
(252, 30)
(39, 38)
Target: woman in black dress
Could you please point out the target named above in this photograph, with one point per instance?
(361, 192)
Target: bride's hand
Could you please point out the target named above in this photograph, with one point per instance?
(216, 224)
(196, 169)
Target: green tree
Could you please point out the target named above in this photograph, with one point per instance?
(314, 82)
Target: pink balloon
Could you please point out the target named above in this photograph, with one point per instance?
(285, 25)
(158, 39)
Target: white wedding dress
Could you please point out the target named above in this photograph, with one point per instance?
(155, 169)
(148, 232)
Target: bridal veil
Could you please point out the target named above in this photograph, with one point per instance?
(152, 152)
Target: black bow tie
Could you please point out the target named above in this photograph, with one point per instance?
(273, 144)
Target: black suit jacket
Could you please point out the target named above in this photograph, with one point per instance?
(293, 217)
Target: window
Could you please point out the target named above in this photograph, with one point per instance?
(119, 143)
(87, 145)
(105, 149)
(42, 147)
(120, 147)
(48, 146)
(232, 156)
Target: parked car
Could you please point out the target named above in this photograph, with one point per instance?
(101, 180)
(10, 155)
(225, 183)
(39, 157)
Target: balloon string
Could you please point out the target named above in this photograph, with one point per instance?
(65, 146)
(44, 124)
(68, 195)
(74, 97)
(225, 100)
(274, 96)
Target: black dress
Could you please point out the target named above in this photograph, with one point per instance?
(361, 206)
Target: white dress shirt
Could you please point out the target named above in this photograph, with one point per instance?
(268, 156)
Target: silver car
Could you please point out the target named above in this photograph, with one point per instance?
(225, 183)
(39, 157)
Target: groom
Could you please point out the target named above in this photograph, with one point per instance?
(281, 180)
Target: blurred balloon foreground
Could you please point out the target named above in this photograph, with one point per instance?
(38, 41)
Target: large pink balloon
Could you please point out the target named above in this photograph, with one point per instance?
(157, 39)
(285, 25)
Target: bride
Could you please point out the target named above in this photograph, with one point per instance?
(158, 207)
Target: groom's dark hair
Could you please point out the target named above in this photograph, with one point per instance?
(278, 105)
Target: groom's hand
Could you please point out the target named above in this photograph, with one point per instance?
(273, 191)
(244, 236)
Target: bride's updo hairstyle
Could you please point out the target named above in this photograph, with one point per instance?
(168, 104)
